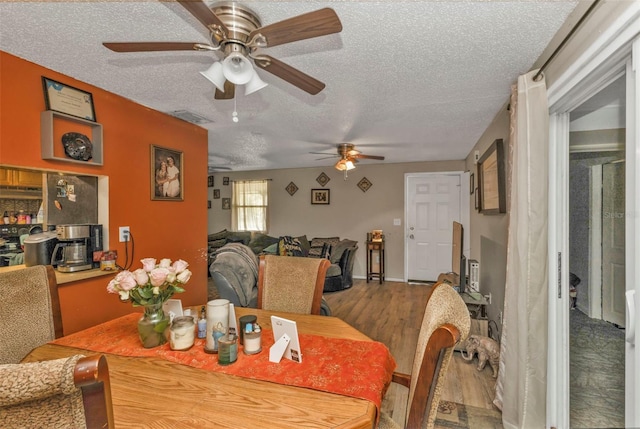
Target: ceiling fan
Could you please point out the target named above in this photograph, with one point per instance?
(237, 32)
(348, 157)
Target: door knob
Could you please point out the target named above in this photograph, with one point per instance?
(411, 236)
(411, 228)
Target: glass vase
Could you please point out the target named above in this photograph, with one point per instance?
(152, 325)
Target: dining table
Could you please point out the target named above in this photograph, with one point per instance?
(152, 391)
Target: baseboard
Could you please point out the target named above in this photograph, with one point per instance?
(387, 279)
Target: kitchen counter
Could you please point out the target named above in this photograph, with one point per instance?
(63, 278)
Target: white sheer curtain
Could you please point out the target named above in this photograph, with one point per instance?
(522, 377)
(249, 205)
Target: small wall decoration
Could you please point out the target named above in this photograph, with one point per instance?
(210, 182)
(67, 99)
(291, 188)
(167, 168)
(208, 204)
(77, 146)
(225, 181)
(226, 204)
(322, 179)
(320, 196)
(491, 180)
(364, 184)
(216, 194)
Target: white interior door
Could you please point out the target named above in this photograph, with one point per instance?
(613, 243)
(432, 204)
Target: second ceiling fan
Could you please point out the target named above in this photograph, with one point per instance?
(237, 32)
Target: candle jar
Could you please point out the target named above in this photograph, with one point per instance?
(252, 339)
(217, 323)
(244, 320)
(182, 333)
(227, 350)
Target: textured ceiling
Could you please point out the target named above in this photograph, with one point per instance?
(411, 81)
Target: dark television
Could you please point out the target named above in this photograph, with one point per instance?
(458, 260)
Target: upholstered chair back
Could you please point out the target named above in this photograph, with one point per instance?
(446, 321)
(68, 393)
(30, 313)
(291, 283)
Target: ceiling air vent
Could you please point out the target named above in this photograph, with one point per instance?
(194, 118)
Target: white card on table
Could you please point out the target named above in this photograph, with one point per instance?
(282, 326)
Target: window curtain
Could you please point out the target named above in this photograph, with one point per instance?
(522, 376)
(249, 203)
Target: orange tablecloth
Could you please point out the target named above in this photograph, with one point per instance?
(360, 369)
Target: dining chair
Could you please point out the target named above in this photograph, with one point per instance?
(446, 321)
(30, 313)
(68, 393)
(291, 283)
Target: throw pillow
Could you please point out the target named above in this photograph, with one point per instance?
(220, 235)
(338, 249)
(289, 246)
(271, 250)
(260, 241)
(323, 251)
(304, 244)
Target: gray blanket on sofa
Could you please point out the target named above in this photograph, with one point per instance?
(239, 266)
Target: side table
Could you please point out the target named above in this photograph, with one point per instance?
(375, 246)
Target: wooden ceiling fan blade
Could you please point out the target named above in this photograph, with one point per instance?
(229, 92)
(361, 156)
(205, 15)
(290, 74)
(305, 26)
(152, 46)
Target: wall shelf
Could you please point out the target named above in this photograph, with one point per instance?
(49, 118)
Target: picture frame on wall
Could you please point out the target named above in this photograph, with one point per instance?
(63, 98)
(167, 167)
(210, 182)
(225, 181)
(226, 204)
(320, 196)
(216, 194)
(491, 180)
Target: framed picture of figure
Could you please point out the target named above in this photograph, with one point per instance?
(167, 169)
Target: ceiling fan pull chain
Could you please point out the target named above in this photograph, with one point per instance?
(234, 115)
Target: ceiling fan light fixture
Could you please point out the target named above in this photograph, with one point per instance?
(255, 84)
(215, 76)
(237, 68)
(345, 165)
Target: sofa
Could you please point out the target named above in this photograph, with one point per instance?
(340, 252)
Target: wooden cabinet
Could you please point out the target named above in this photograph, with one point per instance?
(22, 178)
(6, 177)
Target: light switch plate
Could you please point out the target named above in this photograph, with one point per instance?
(397, 222)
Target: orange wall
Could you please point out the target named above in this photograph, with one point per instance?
(161, 229)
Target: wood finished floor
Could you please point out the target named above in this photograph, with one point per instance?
(391, 313)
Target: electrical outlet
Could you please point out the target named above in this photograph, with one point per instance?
(488, 298)
(124, 233)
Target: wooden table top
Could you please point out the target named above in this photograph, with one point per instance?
(155, 393)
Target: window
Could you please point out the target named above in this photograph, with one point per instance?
(249, 205)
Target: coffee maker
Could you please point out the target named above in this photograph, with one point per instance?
(76, 244)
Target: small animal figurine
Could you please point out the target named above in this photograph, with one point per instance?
(487, 348)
